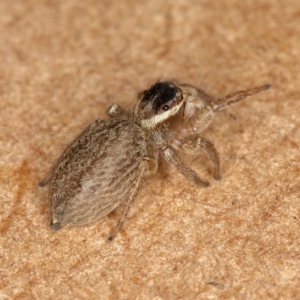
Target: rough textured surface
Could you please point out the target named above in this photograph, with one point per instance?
(64, 62)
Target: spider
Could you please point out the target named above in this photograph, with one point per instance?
(105, 165)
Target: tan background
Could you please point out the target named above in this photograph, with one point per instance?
(62, 63)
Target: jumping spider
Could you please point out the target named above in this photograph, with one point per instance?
(105, 165)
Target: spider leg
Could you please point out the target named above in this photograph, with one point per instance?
(116, 111)
(133, 193)
(208, 111)
(232, 98)
(45, 181)
(172, 157)
(194, 143)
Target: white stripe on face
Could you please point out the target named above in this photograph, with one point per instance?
(159, 118)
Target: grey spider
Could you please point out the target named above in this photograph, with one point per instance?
(105, 165)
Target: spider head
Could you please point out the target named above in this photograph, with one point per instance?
(157, 104)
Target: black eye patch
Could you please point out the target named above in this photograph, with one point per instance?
(160, 93)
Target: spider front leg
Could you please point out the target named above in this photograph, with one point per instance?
(172, 157)
(45, 181)
(207, 111)
(235, 97)
(192, 144)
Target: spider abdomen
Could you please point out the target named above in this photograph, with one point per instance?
(95, 173)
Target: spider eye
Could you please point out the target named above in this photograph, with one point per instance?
(166, 107)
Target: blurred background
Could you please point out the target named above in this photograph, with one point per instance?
(63, 63)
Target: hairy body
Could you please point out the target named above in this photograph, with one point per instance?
(105, 165)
